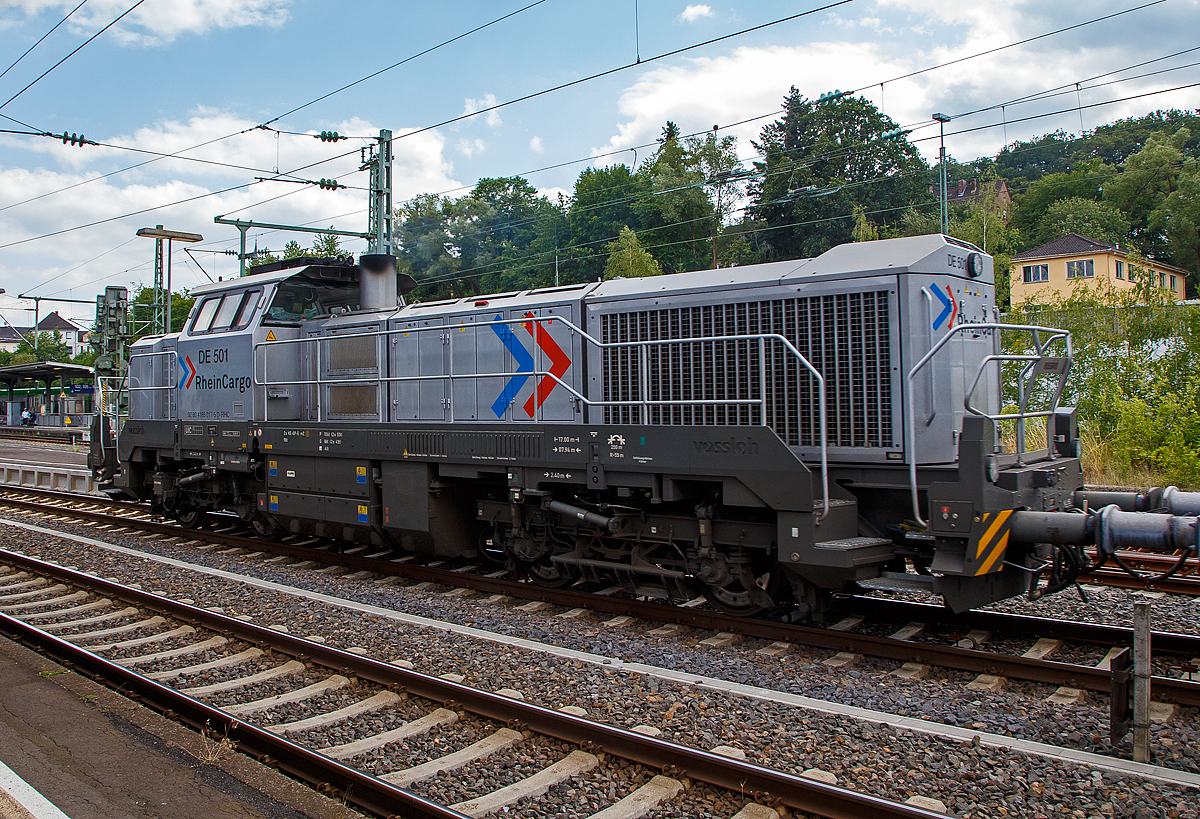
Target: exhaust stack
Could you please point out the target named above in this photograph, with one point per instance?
(379, 291)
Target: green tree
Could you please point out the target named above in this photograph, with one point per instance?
(292, 250)
(718, 164)
(50, 347)
(1142, 189)
(628, 259)
(677, 217)
(1030, 206)
(819, 161)
(1101, 221)
(606, 199)
(326, 245)
(864, 231)
(139, 308)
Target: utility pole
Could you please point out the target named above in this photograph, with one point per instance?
(376, 158)
(245, 226)
(943, 208)
(379, 221)
(37, 303)
(160, 304)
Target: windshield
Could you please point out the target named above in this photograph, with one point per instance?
(301, 298)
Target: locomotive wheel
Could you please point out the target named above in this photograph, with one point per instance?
(732, 597)
(264, 529)
(191, 518)
(550, 575)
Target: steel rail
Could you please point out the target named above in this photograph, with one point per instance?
(1186, 645)
(796, 792)
(1049, 672)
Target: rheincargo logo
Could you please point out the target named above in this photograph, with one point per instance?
(731, 447)
(224, 381)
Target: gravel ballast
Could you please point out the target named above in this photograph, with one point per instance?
(879, 760)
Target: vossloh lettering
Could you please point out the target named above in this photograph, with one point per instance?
(733, 446)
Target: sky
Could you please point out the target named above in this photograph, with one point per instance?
(175, 74)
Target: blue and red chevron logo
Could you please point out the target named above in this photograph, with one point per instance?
(189, 373)
(559, 364)
(949, 306)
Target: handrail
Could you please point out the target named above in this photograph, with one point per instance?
(762, 338)
(171, 387)
(1039, 345)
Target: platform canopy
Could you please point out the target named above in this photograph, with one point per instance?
(44, 371)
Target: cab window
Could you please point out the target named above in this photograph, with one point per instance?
(231, 311)
(204, 316)
(302, 297)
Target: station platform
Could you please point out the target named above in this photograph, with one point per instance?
(89, 752)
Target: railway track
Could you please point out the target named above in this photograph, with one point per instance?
(253, 679)
(961, 649)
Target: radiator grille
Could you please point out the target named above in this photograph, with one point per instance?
(351, 354)
(845, 336)
(357, 401)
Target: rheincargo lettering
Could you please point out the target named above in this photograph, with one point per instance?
(224, 381)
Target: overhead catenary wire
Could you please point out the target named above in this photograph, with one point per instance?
(178, 154)
(552, 89)
(79, 48)
(43, 37)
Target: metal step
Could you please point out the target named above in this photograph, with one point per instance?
(853, 543)
(895, 581)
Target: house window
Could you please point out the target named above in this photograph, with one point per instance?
(1033, 273)
(1172, 282)
(1162, 279)
(1083, 269)
(1120, 269)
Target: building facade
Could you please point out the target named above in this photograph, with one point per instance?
(1056, 268)
(74, 336)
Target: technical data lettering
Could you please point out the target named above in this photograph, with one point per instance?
(551, 475)
(329, 439)
(210, 414)
(567, 445)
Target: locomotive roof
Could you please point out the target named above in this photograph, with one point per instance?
(916, 253)
(923, 254)
(272, 277)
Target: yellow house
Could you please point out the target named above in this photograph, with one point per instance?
(1057, 267)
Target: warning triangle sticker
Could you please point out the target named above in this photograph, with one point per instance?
(270, 335)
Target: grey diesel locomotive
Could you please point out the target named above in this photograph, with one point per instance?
(765, 435)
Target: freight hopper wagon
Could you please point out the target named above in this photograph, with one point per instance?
(765, 435)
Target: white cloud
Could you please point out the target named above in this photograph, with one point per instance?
(752, 81)
(693, 13)
(470, 147)
(536, 146)
(420, 165)
(154, 24)
(554, 192)
(716, 90)
(470, 106)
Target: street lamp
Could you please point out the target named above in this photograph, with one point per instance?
(943, 209)
(161, 318)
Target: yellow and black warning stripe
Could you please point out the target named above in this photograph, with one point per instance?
(988, 548)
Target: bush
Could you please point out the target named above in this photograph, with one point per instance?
(1135, 378)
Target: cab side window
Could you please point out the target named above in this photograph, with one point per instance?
(232, 311)
(204, 316)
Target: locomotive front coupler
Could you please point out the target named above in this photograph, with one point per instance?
(1111, 529)
(1170, 500)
